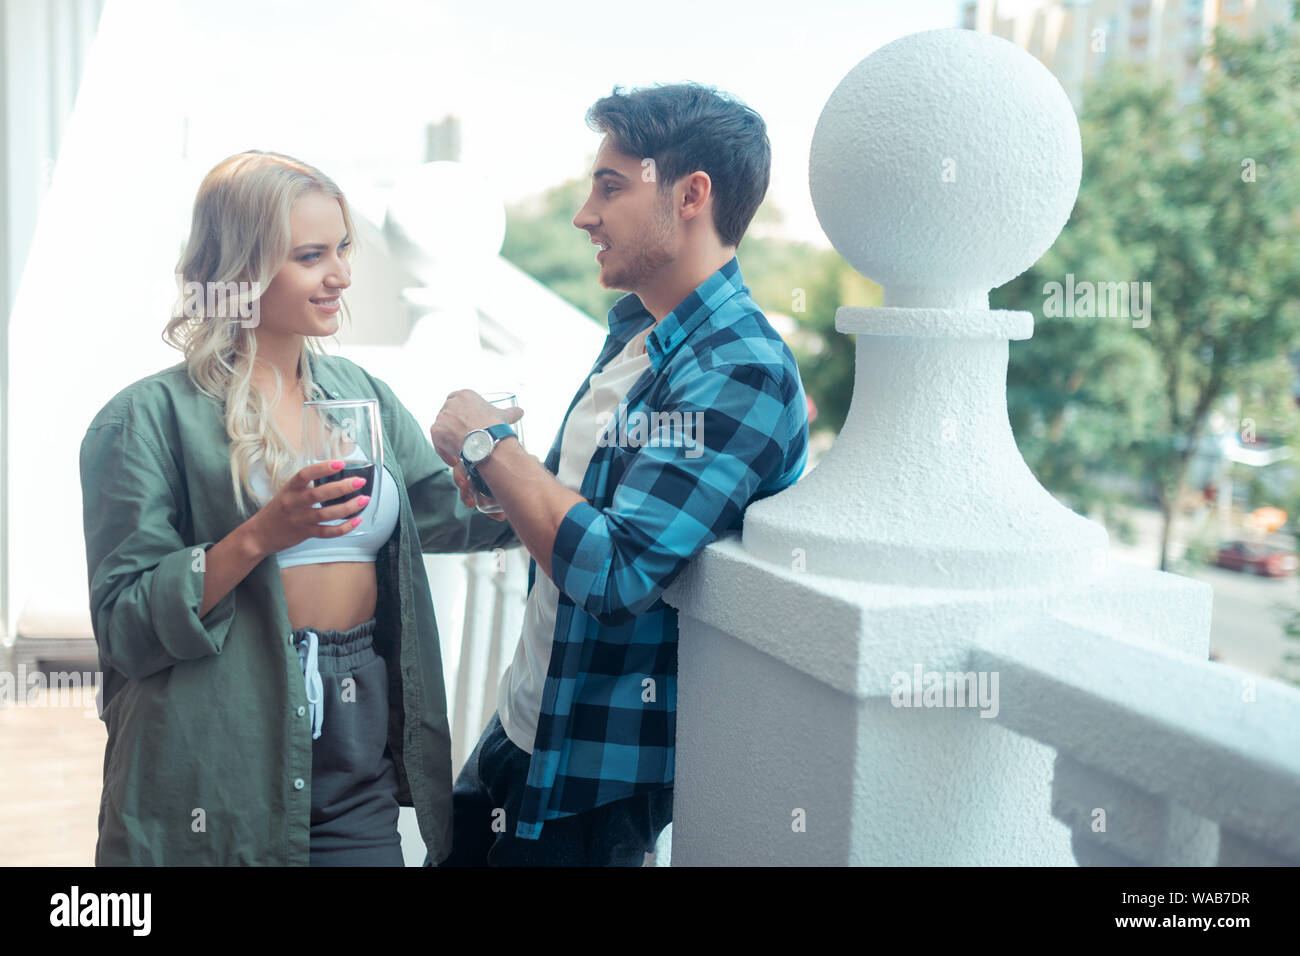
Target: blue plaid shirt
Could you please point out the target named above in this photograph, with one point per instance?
(656, 494)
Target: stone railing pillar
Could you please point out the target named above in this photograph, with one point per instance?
(942, 166)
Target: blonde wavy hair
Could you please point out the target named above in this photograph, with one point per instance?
(240, 233)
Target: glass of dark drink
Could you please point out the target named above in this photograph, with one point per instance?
(346, 430)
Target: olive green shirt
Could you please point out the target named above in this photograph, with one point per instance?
(209, 751)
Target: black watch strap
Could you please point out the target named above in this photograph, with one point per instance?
(498, 432)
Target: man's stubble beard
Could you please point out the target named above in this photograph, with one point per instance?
(651, 256)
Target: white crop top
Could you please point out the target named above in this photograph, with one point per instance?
(362, 544)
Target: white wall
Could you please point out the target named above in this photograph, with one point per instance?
(43, 47)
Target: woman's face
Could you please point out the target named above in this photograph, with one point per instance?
(303, 297)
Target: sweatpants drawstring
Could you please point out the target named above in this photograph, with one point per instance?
(307, 657)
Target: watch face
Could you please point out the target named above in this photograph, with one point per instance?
(478, 445)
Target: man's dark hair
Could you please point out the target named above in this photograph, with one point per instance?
(686, 127)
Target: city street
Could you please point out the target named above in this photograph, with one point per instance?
(1246, 629)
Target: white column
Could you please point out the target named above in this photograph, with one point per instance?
(943, 166)
(43, 49)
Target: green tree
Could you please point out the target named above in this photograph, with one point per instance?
(809, 284)
(542, 240)
(1202, 201)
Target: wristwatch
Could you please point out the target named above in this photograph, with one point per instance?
(476, 449)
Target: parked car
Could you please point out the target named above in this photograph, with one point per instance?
(1259, 558)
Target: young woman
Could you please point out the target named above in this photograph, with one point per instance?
(272, 682)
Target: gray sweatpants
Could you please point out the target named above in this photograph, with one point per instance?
(353, 778)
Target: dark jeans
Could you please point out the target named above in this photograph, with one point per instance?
(614, 834)
(353, 778)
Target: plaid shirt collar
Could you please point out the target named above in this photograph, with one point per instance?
(629, 316)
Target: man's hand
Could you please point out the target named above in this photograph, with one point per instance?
(463, 412)
(466, 487)
(534, 502)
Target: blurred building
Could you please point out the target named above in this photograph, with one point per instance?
(1076, 38)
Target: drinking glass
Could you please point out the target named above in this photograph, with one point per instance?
(348, 430)
(503, 400)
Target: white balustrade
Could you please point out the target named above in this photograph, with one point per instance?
(916, 655)
(495, 593)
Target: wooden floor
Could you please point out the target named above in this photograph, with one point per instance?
(51, 772)
(51, 768)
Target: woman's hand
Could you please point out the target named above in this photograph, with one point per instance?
(289, 517)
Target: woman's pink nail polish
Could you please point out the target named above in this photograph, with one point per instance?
(363, 500)
(358, 482)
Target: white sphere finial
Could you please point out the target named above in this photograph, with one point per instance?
(944, 165)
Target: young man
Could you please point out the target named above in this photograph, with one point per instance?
(693, 409)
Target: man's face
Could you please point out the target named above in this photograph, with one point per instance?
(631, 218)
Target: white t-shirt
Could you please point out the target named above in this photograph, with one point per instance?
(519, 696)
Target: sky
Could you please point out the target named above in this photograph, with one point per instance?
(349, 88)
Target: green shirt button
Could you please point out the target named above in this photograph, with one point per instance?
(298, 784)
(301, 711)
